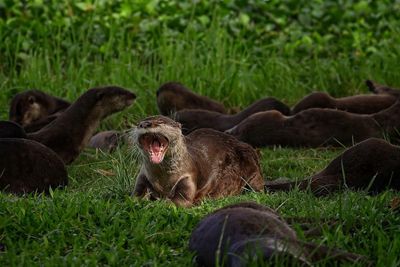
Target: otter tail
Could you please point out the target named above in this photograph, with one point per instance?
(9, 129)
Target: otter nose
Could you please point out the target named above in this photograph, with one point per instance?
(145, 124)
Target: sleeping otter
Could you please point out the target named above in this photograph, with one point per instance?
(360, 104)
(185, 169)
(239, 233)
(382, 98)
(33, 105)
(372, 165)
(27, 166)
(317, 127)
(173, 96)
(192, 119)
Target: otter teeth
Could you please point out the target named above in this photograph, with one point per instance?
(156, 150)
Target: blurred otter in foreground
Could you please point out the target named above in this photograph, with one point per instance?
(238, 234)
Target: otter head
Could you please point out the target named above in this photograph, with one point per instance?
(27, 107)
(157, 137)
(111, 99)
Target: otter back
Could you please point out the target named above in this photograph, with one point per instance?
(29, 167)
(173, 96)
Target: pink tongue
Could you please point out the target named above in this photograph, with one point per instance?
(155, 146)
(156, 154)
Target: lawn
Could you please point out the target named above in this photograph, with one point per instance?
(95, 220)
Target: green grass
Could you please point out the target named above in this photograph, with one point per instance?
(95, 221)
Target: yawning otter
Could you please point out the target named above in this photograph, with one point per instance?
(205, 163)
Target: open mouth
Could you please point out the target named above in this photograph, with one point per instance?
(155, 145)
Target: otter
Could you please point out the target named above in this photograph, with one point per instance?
(360, 104)
(192, 119)
(239, 233)
(27, 166)
(372, 165)
(173, 96)
(185, 169)
(106, 140)
(70, 132)
(33, 105)
(317, 127)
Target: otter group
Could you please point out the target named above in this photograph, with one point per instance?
(196, 150)
(36, 160)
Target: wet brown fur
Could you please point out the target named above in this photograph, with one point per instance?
(205, 163)
(317, 127)
(372, 165)
(192, 119)
(9, 129)
(69, 134)
(29, 167)
(32, 106)
(173, 96)
(233, 234)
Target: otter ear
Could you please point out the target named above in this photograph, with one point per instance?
(31, 99)
(180, 126)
